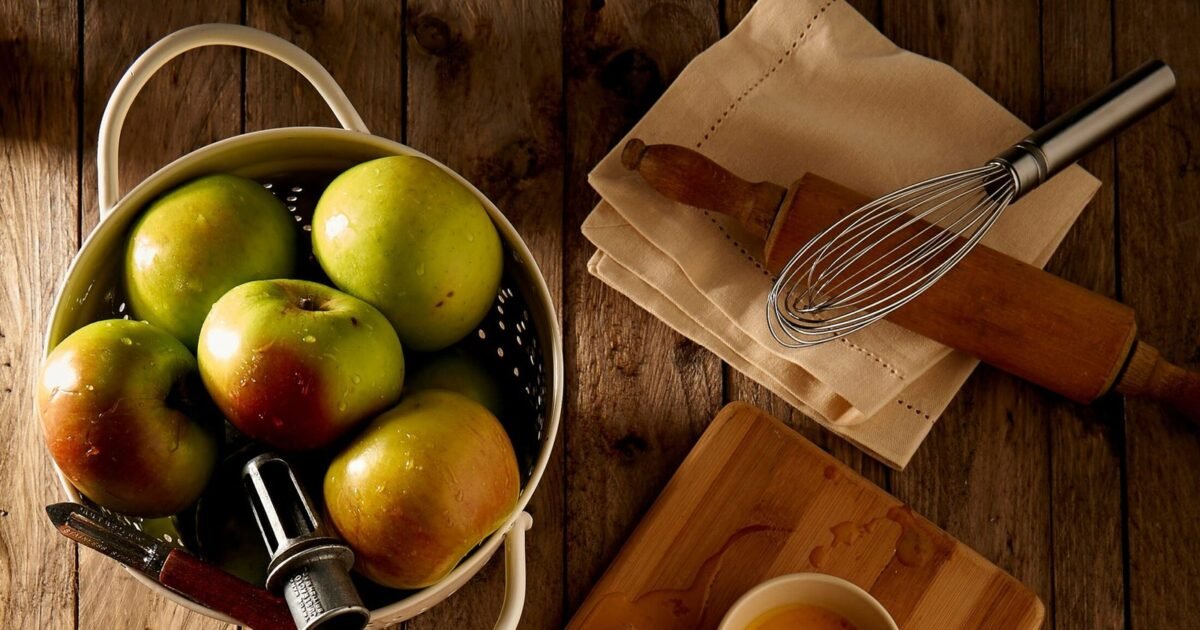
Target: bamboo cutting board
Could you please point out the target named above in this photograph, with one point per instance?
(754, 500)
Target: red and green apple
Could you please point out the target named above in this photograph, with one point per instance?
(122, 412)
(296, 364)
(421, 486)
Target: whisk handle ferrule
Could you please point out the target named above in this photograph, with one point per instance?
(1065, 139)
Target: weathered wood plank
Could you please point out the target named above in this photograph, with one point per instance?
(1158, 169)
(192, 102)
(983, 474)
(1085, 442)
(740, 387)
(485, 97)
(358, 41)
(638, 394)
(39, 184)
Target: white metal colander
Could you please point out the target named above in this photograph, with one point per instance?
(520, 337)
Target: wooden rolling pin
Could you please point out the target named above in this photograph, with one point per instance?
(1007, 313)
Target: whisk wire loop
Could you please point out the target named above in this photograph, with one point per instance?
(884, 254)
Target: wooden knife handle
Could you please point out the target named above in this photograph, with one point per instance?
(209, 586)
(686, 176)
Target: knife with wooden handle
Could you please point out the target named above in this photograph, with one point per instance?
(172, 567)
(1005, 312)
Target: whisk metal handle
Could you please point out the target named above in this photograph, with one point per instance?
(1069, 137)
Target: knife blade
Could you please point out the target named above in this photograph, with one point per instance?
(172, 567)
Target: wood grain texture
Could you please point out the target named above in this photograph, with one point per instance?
(202, 90)
(638, 394)
(983, 474)
(485, 96)
(1158, 170)
(358, 42)
(39, 134)
(755, 500)
(1085, 442)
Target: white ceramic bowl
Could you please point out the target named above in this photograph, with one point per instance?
(817, 589)
(297, 149)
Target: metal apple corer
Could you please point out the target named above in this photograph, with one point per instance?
(519, 339)
(883, 255)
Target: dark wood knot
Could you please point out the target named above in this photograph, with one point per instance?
(632, 74)
(306, 12)
(519, 159)
(433, 35)
(630, 446)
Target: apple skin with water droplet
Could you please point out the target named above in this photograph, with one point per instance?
(174, 269)
(123, 414)
(404, 235)
(421, 486)
(280, 357)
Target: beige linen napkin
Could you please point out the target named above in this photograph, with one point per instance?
(810, 86)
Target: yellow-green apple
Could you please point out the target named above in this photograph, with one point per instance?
(200, 240)
(122, 412)
(421, 486)
(295, 364)
(402, 234)
(456, 371)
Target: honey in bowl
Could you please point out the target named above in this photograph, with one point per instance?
(796, 616)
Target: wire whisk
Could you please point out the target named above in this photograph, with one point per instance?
(887, 252)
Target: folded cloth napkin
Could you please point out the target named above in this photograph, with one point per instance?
(810, 86)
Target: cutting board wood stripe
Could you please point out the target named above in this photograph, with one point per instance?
(754, 500)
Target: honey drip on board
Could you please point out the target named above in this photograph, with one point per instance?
(914, 548)
(668, 609)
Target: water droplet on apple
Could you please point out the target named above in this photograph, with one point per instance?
(342, 406)
(309, 339)
(93, 451)
(127, 341)
(471, 238)
(89, 387)
(356, 378)
(421, 269)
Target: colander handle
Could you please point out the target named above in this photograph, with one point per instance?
(514, 573)
(182, 41)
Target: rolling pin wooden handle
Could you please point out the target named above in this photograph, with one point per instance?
(686, 176)
(1151, 376)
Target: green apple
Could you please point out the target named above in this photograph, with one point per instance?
(455, 370)
(421, 486)
(121, 408)
(200, 240)
(296, 364)
(402, 234)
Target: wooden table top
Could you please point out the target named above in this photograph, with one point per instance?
(1094, 508)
